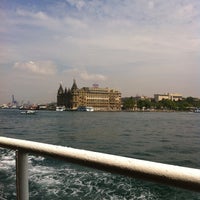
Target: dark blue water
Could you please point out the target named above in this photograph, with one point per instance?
(172, 138)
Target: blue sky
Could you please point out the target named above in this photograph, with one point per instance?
(139, 47)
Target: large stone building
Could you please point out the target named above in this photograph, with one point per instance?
(173, 97)
(101, 99)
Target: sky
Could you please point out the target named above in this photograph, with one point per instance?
(139, 47)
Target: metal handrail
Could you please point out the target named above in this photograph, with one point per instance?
(182, 177)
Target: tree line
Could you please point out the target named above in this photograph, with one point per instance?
(186, 104)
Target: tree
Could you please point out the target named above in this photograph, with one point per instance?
(128, 103)
(168, 104)
(144, 104)
(186, 104)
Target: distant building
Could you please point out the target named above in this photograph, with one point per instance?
(173, 97)
(137, 98)
(101, 99)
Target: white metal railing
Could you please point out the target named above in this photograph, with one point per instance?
(183, 177)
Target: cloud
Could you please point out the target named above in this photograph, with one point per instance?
(37, 67)
(74, 24)
(92, 77)
(37, 15)
(84, 75)
(151, 4)
(79, 4)
(34, 19)
(186, 12)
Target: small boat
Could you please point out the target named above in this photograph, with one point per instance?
(197, 110)
(28, 112)
(85, 108)
(60, 108)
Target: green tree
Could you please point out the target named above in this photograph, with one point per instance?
(190, 100)
(146, 103)
(128, 103)
(168, 104)
(183, 105)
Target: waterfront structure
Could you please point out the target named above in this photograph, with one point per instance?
(169, 96)
(137, 98)
(101, 99)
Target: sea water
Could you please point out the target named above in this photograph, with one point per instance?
(172, 138)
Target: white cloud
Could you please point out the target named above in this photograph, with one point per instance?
(37, 15)
(37, 67)
(77, 3)
(73, 24)
(151, 4)
(186, 11)
(35, 19)
(92, 77)
(84, 75)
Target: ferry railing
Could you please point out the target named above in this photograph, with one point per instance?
(182, 177)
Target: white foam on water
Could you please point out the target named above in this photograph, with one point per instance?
(35, 158)
(7, 164)
(44, 175)
(7, 172)
(7, 159)
(68, 181)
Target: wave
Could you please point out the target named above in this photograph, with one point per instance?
(50, 179)
(55, 179)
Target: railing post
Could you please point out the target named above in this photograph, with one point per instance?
(22, 175)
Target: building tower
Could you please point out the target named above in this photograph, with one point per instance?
(74, 96)
(60, 96)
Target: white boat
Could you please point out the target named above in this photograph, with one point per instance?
(28, 112)
(85, 108)
(60, 108)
